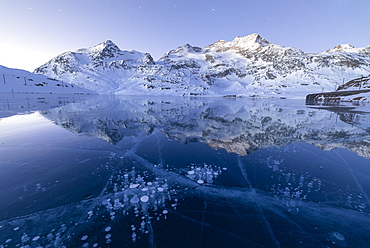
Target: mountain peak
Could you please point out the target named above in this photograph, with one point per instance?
(249, 42)
(103, 49)
(109, 43)
(182, 51)
(341, 48)
(106, 45)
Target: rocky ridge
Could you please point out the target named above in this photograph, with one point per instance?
(246, 66)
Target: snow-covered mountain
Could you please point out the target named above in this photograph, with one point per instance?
(250, 66)
(20, 81)
(103, 68)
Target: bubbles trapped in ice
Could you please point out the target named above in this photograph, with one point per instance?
(84, 237)
(134, 199)
(338, 239)
(134, 185)
(144, 198)
(36, 238)
(292, 184)
(203, 173)
(25, 238)
(137, 194)
(90, 214)
(127, 193)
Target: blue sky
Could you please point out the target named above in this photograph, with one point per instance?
(34, 31)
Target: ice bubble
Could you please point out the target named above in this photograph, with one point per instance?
(144, 198)
(85, 245)
(144, 189)
(149, 183)
(165, 211)
(134, 185)
(25, 238)
(160, 189)
(8, 240)
(107, 229)
(200, 181)
(191, 172)
(108, 236)
(95, 245)
(36, 238)
(338, 236)
(16, 228)
(134, 199)
(84, 237)
(108, 241)
(338, 239)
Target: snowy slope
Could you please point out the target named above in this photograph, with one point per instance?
(357, 84)
(249, 66)
(356, 90)
(20, 81)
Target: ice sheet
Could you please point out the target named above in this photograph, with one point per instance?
(138, 172)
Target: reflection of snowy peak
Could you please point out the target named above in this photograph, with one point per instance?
(247, 65)
(237, 127)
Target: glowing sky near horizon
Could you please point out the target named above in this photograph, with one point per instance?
(34, 31)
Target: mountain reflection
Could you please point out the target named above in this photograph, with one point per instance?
(239, 126)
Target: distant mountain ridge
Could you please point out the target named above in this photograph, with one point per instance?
(246, 66)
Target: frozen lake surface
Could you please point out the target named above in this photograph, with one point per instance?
(99, 171)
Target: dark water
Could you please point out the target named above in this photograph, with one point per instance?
(175, 172)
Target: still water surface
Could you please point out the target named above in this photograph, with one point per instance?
(105, 171)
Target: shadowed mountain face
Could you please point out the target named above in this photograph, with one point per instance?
(248, 65)
(238, 126)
